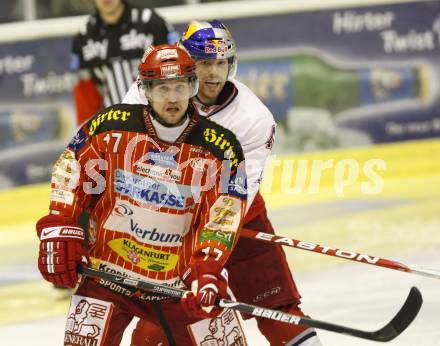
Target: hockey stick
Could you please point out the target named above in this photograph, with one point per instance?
(348, 255)
(396, 326)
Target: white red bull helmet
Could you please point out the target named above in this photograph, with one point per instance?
(210, 40)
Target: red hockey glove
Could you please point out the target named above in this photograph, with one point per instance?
(207, 281)
(61, 249)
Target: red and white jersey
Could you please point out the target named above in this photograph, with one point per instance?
(155, 206)
(239, 110)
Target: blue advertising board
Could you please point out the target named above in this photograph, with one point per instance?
(36, 108)
(348, 76)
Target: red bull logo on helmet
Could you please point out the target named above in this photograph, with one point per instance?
(216, 46)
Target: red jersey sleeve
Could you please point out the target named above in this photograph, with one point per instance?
(88, 100)
(222, 214)
(77, 176)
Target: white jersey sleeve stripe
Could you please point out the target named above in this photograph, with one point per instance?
(120, 80)
(114, 97)
(127, 73)
(135, 15)
(146, 15)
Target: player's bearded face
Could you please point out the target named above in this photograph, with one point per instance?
(170, 99)
(212, 75)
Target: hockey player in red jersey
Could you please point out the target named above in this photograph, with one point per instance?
(258, 272)
(166, 190)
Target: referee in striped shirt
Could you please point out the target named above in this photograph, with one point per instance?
(107, 50)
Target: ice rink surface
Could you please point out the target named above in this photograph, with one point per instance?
(401, 224)
(353, 295)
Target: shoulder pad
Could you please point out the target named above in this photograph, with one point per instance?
(122, 117)
(221, 142)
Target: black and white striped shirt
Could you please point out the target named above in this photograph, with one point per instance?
(109, 54)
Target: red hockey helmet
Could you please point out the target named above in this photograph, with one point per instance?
(165, 62)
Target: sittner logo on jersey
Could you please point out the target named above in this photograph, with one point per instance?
(218, 140)
(111, 115)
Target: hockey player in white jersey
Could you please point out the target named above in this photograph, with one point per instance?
(258, 272)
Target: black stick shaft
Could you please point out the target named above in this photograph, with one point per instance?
(397, 325)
